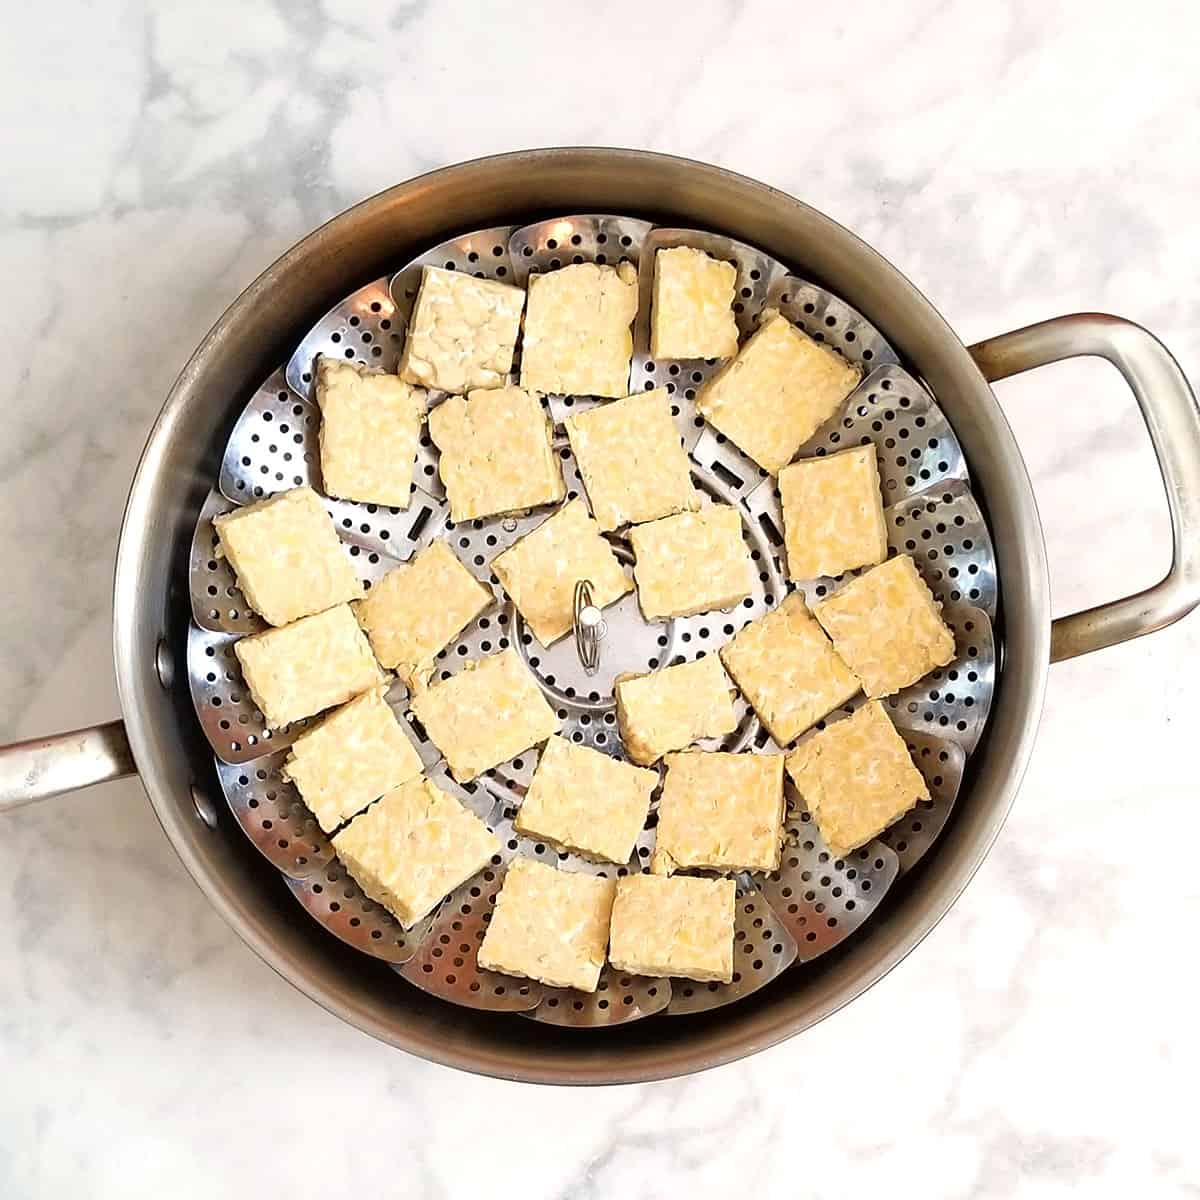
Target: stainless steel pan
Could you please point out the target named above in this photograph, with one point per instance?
(159, 737)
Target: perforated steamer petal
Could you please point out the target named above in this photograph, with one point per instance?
(815, 900)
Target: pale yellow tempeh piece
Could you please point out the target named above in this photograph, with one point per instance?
(833, 513)
(680, 926)
(308, 666)
(788, 669)
(497, 455)
(414, 847)
(287, 556)
(540, 570)
(487, 713)
(417, 609)
(692, 313)
(672, 708)
(352, 757)
(856, 777)
(549, 925)
(370, 427)
(719, 811)
(632, 461)
(577, 339)
(887, 627)
(462, 332)
(778, 391)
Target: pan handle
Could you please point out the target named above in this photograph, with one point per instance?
(44, 767)
(1169, 410)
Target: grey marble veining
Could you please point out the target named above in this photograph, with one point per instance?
(1016, 161)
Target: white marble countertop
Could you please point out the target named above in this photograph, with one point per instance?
(1017, 161)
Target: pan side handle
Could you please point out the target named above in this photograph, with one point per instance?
(44, 767)
(1169, 410)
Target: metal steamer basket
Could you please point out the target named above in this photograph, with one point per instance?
(812, 935)
(816, 899)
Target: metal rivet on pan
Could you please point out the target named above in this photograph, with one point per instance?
(164, 663)
(205, 809)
